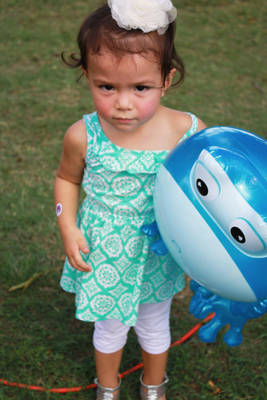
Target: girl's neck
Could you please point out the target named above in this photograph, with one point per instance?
(147, 137)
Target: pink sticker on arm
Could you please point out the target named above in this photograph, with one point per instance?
(59, 209)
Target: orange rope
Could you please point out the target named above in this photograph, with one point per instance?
(93, 385)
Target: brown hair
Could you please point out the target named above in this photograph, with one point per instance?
(100, 30)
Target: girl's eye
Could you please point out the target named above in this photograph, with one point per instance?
(106, 88)
(142, 88)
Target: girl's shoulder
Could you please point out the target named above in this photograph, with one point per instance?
(181, 122)
(75, 138)
(175, 125)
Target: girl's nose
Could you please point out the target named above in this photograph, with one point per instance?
(123, 101)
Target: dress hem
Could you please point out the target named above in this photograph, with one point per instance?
(105, 318)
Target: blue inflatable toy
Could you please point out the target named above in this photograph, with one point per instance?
(211, 212)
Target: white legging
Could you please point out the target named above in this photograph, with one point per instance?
(152, 329)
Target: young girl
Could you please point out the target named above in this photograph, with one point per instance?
(128, 57)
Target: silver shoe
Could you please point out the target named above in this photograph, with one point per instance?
(104, 393)
(152, 392)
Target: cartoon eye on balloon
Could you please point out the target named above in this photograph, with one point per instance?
(239, 221)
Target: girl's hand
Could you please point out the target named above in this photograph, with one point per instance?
(74, 244)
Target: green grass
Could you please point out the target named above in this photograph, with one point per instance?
(223, 45)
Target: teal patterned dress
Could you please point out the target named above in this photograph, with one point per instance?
(119, 187)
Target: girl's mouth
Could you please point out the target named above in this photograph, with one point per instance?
(124, 120)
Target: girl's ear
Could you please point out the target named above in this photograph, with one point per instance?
(168, 80)
(85, 73)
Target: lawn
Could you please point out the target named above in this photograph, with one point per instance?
(223, 45)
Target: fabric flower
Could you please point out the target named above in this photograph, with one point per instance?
(147, 15)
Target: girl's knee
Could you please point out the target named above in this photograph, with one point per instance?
(153, 327)
(109, 335)
(154, 341)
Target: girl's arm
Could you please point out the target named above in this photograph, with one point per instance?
(67, 190)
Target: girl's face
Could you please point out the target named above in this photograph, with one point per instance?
(126, 91)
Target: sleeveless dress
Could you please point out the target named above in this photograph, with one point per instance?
(119, 186)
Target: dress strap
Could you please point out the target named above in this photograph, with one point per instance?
(92, 132)
(193, 128)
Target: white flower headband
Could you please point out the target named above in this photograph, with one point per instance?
(147, 15)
